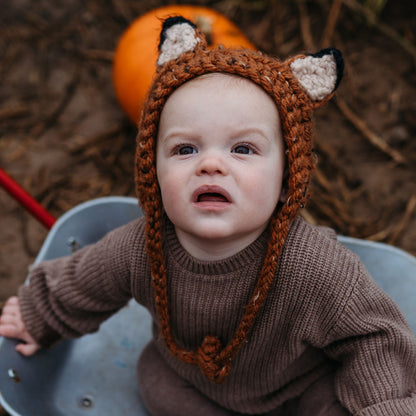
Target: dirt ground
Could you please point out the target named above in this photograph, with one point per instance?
(64, 138)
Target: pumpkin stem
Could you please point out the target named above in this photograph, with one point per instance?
(204, 24)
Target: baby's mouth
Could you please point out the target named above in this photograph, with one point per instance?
(212, 197)
(210, 193)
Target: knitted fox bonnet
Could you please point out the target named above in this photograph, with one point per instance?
(297, 86)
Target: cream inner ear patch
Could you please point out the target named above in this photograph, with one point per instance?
(179, 38)
(317, 76)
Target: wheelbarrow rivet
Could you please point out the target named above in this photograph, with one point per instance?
(86, 402)
(72, 243)
(13, 375)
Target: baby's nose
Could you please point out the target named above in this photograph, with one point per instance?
(212, 163)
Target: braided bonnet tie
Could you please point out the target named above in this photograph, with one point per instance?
(295, 110)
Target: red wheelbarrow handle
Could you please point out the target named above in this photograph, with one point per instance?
(17, 192)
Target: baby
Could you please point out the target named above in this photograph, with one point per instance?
(254, 310)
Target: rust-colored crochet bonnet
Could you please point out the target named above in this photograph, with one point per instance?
(297, 86)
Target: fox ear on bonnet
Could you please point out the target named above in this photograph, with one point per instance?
(319, 74)
(297, 86)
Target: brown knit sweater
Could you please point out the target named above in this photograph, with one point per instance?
(323, 309)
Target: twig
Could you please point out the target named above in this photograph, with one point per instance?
(13, 111)
(372, 137)
(305, 26)
(308, 217)
(45, 194)
(81, 144)
(96, 54)
(410, 207)
(16, 153)
(329, 211)
(382, 27)
(331, 23)
(323, 180)
(381, 235)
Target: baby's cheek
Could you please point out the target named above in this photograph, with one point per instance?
(172, 193)
(266, 188)
(167, 196)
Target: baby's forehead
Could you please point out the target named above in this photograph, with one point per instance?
(221, 89)
(222, 84)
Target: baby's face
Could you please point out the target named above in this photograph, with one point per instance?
(220, 162)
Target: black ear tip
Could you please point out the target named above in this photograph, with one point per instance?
(175, 20)
(172, 21)
(339, 61)
(336, 53)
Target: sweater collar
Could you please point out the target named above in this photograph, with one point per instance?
(174, 251)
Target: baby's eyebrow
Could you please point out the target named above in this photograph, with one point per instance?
(184, 134)
(252, 131)
(181, 133)
(175, 137)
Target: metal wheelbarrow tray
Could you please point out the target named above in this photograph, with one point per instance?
(95, 375)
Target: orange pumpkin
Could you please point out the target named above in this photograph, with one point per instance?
(136, 53)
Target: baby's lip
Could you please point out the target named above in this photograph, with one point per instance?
(211, 192)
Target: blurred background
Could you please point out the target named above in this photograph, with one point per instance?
(65, 139)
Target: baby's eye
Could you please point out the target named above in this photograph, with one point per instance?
(185, 150)
(243, 149)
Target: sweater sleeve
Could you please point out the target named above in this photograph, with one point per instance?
(70, 296)
(377, 352)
